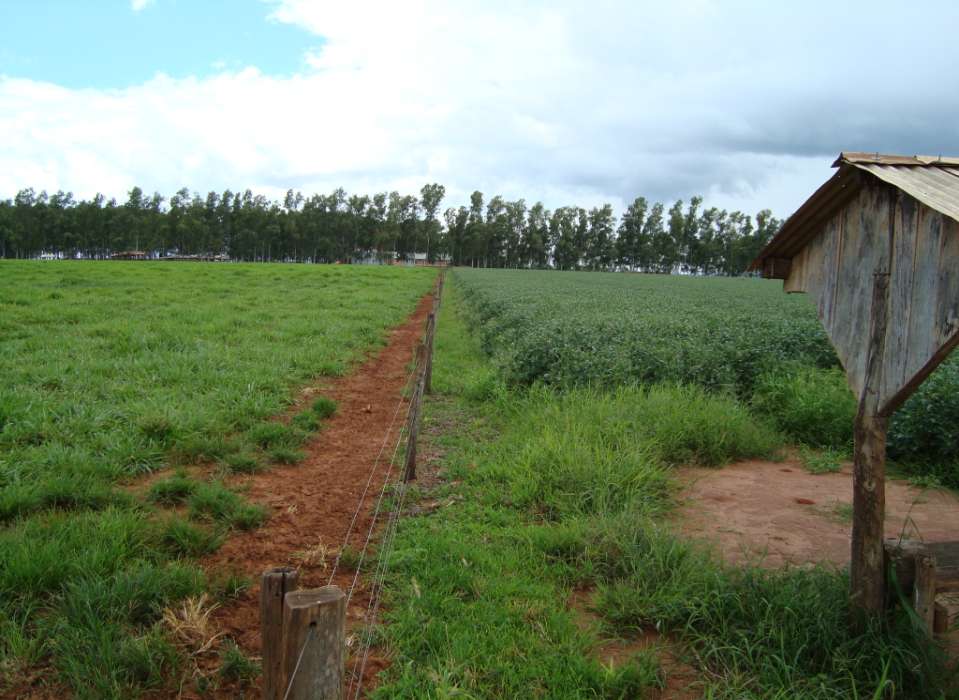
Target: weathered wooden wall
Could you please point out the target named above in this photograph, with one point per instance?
(885, 230)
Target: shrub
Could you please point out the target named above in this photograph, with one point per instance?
(925, 430)
(812, 406)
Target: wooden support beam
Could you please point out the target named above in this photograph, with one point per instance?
(867, 575)
(314, 644)
(274, 585)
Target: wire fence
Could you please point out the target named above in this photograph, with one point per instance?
(416, 384)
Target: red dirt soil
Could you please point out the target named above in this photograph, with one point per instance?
(777, 513)
(311, 503)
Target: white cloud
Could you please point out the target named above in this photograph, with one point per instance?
(559, 101)
(139, 5)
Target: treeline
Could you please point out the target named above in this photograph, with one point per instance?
(343, 227)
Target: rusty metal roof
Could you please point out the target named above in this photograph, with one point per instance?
(933, 180)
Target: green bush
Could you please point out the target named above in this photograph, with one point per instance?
(812, 406)
(925, 431)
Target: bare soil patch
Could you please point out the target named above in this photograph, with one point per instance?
(777, 513)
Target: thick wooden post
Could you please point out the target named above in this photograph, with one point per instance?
(274, 585)
(867, 575)
(314, 644)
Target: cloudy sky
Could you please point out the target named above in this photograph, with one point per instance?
(579, 103)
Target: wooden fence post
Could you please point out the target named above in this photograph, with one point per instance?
(413, 423)
(428, 370)
(274, 585)
(314, 644)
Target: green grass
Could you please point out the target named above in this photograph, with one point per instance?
(813, 407)
(825, 461)
(568, 491)
(235, 665)
(111, 371)
(324, 407)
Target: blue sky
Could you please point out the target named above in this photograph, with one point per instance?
(746, 102)
(109, 44)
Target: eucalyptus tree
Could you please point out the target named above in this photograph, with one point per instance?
(431, 196)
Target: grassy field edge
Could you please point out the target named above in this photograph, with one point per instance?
(552, 497)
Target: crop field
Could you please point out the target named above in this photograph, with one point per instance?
(740, 336)
(110, 371)
(557, 569)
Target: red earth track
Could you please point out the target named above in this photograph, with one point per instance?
(312, 503)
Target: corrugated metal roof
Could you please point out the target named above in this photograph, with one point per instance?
(934, 186)
(933, 180)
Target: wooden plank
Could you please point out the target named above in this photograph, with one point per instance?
(901, 554)
(827, 270)
(901, 279)
(922, 323)
(865, 250)
(947, 297)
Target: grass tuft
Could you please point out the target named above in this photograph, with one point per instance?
(213, 501)
(173, 489)
(323, 407)
(235, 665)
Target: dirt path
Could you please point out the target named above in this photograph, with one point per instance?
(312, 503)
(778, 513)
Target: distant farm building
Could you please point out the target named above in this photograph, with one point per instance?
(877, 249)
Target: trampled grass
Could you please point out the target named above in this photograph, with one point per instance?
(109, 371)
(561, 502)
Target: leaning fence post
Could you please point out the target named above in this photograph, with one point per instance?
(274, 585)
(314, 644)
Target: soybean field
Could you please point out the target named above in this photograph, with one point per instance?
(741, 336)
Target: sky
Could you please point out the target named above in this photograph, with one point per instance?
(568, 103)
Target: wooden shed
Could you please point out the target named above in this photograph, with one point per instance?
(877, 249)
